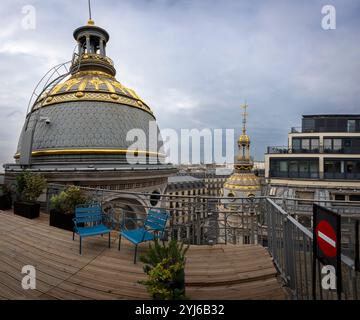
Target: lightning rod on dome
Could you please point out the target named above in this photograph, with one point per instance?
(89, 2)
(245, 114)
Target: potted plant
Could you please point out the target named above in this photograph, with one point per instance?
(5, 198)
(63, 206)
(29, 186)
(165, 267)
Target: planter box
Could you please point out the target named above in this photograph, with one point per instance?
(5, 202)
(28, 210)
(61, 220)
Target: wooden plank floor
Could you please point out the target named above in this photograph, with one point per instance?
(212, 272)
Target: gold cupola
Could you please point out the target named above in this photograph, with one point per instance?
(92, 74)
(243, 182)
(89, 112)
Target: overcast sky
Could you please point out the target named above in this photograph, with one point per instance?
(195, 61)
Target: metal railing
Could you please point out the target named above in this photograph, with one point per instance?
(290, 244)
(194, 219)
(271, 222)
(313, 150)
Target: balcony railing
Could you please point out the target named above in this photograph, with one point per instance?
(287, 150)
(323, 129)
(294, 175)
(321, 149)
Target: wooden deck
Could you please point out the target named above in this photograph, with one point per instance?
(212, 272)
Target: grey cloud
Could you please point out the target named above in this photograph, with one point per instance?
(195, 62)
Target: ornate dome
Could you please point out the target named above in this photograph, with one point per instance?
(92, 85)
(244, 139)
(243, 182)
(90, 113)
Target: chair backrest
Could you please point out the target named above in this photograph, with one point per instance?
(156, 219)
(88, 213)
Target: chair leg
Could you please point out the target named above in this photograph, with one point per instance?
(73, 235)
(80, 245)
(119, 241)
(109, 239)
(135, 254)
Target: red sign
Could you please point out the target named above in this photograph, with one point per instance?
(326, 238)
(326, 243)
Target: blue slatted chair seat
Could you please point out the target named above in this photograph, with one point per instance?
(137, 236)
(93, 231)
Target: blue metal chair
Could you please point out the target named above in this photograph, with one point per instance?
(153, 228)
(89, 221)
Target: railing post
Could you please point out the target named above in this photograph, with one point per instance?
(252, 226)
(289, 254)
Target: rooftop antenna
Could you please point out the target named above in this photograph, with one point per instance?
(245, 114)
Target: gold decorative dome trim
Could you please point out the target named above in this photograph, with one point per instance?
(235, 187)
(244, 138)
(92, 86)
(37, 153)
(243, 181)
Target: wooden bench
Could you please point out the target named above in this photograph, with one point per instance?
(89, 221)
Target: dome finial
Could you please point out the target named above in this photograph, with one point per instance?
(90, 21)
(244, 106)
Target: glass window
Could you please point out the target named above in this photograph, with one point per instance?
(354, 197)
(339, 197)
(328, 166)
(274, 165)
(296, 142)
(308, 125)
(283, 166)
(347, 143)
(327, 145)
(305, 144)
(357, 167)
(293, 169)
(315, 144)
(349, 167)
(304, 169)
(339, 169)
(304, 166)
(337, 144)
(314, 169)
(351, 126)
(337, 166)
(328, 169)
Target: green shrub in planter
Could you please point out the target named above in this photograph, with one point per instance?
(5, 198)
(165, 267)
(63, 206)
(29, 186)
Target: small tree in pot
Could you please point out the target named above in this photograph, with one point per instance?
(165, 267)
(29, 186)
(63, 206)
(5, 198)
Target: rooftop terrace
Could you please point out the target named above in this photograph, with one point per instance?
(212, 272)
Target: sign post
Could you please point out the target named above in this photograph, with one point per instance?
(326, 243)
(357, 247)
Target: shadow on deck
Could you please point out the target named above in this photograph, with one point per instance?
(212, 272)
